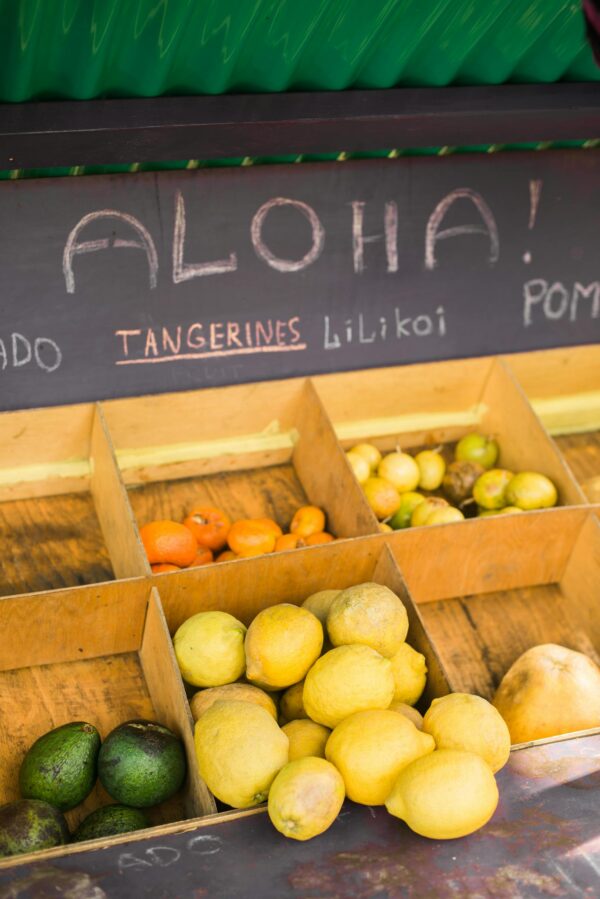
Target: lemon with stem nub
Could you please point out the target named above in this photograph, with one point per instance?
(209, 648)
(447, 794)
(305, 798)
(239, 749)
(410, 674)
(282, 643)
(371, 614)
(466, 721)
(370, 748)
(345, 680)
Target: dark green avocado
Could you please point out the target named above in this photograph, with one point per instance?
(61, 767)
(141, 763)
(109, 821)
(29, 824)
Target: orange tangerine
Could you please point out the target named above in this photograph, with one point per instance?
(209, 526)
(170, 542)
(308, 520)
(249, 537)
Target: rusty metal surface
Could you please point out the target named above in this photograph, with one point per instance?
(543, 841)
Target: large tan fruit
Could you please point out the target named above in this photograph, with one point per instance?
(549, 690)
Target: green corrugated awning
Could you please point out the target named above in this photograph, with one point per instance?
(86, 49)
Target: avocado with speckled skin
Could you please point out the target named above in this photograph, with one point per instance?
(110, 821)
(29, 824)
(61, 767)
(141, 763)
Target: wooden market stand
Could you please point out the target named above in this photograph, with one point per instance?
(94, 442)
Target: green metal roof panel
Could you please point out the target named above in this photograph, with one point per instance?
(82, 49)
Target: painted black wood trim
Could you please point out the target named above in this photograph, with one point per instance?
(104, 132)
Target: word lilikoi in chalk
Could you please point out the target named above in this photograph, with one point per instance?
(364, 329)
(202, 340)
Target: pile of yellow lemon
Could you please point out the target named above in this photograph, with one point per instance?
(344, 724)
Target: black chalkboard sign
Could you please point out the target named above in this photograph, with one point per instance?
(131, 284)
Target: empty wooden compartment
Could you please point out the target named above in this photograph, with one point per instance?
(64, 515)
(437, 403)
(490, 590)
(563, 386)
(256, 450)
(97, 654)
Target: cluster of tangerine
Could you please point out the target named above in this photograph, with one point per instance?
(207, 535)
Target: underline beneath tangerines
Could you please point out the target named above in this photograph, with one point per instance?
(213, 354)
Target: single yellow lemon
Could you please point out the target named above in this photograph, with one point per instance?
(282, 643)
(408, 712)
(549, 690)
(203, 699)
(371, 614)
(447, 794)
(305, 798)
(401, 470)
(306, 738)
(291, 706)
(410, 674)
(345, 680)
(465, 721)
(432, 468)
(239, 749)
(382, 497)
(369, 749)
(209, 648)
(320, 603)
(368, 452)
(360, 467)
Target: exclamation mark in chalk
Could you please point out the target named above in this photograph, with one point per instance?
(535, 190)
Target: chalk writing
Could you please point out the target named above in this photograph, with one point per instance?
(263, 252)
(556, 302)
(165, 856)
(204, 340)
(364, 329)
(18, 351)
(72, 248)
(390, 224)
(489, 228)
(185, 271)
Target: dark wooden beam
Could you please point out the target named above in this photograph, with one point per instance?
(104, 132)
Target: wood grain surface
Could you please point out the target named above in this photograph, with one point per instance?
(51, 542)
(582, 453)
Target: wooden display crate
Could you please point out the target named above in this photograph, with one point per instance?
(259, 450)
(477, 593)
(98, 654)
(437, 403)
(105, 655)
(490, 590)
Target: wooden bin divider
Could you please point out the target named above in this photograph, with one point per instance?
(112, 505)
(526, 445)
(162, 675)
